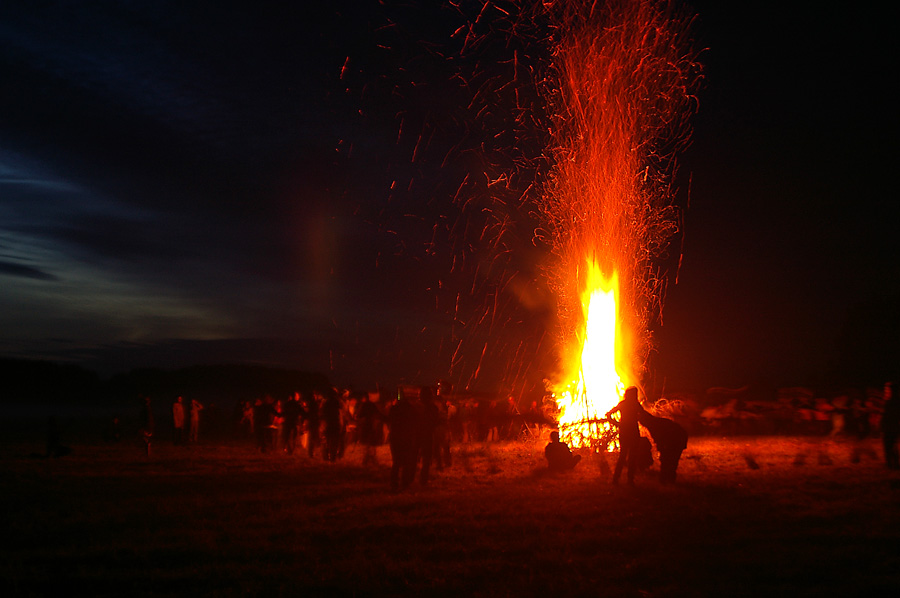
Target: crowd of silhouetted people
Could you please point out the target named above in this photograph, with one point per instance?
(794, 411)
(325, 422)
(419, 425)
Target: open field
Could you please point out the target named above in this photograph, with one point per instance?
(749, 517)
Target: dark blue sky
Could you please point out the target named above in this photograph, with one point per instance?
(181, 184)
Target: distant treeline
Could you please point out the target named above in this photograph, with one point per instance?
(27, 381)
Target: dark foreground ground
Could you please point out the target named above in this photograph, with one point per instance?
(749, 517)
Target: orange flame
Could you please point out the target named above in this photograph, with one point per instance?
(599, 367)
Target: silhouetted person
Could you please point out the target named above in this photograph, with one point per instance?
(495, 416)
(468, 417)
(404, 420)
(196, 407)
(629, 410)
(311, 421)
(291, 413)
(247, 429)
(559, 457)
(277, 430)
(890, 427)
(534, 419)
(368, 421)
(331, 416)
(509, 417)
(671, 440)
(178, 419)
(147, 424)
(442, 457)
(431, 419)
(482, 416)
(859, 415)
(54, 447)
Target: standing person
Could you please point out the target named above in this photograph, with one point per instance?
(404, 421)
(431, 420)
(368, 420)
(147, 424)
(533, 419)
(671, 440)
(861, 427)
(482, 420)
(246, 425)
(442, 436)
(178, 420)
(277, 429)
(311, 420)
(890, 427)
(331, 416)
(467, 420)
(495, 417)
(292, 409)
(454, 423)
(510, 418)
(195, 420)
(348, 423)
(629, 410)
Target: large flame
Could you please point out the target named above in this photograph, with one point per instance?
(598, 369)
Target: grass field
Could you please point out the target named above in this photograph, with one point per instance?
(749, 517)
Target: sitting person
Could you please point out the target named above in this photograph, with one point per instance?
(559, 457)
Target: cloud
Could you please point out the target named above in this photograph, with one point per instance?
(23, 271)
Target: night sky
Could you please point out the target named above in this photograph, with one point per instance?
(181, 184)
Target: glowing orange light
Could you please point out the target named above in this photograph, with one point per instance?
(598, 367)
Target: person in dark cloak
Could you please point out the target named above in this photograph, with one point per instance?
(629, 410)
(890, 427)
(404, 420)
(559, 457)
(671, 440)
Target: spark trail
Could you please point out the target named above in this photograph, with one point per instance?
(625, 77)
(515, 116)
